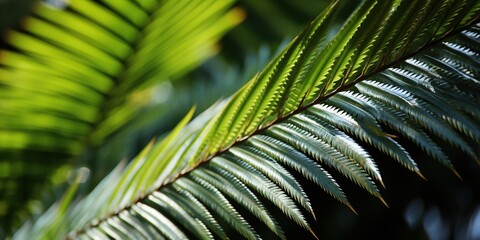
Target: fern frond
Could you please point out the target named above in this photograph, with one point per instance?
(346, 91)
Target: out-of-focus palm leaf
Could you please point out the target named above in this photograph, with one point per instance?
(70, 77)
(312, 111)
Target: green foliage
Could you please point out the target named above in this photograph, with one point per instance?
(395, 69)
(71, 77)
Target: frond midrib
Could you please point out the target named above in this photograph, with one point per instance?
(340, 89)
(262, 128)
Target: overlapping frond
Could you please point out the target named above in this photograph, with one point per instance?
(395, 69)
(68, 76)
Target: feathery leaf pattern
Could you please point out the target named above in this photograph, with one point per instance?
(312, 110)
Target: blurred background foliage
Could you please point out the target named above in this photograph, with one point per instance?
(444, 207)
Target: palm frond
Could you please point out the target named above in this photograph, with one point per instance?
(316, 109)
(69, 76)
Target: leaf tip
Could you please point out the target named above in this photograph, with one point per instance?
(381, 183)
(420, 175)
(384, 202)
(353, 209)
(313, 233)
(456, 173)
(238, 14)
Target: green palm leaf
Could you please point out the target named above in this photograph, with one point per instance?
(73, 76)
(312, 111)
